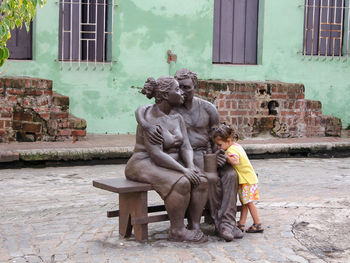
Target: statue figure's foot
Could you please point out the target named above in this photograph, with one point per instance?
(237, 233)
(227, 234)
(192, 226)
(185, 235)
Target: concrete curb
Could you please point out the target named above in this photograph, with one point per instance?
(329, 149)
(72, 154)
(256, 151)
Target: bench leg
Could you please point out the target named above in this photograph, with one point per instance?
(133, 205)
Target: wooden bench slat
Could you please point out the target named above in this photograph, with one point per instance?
(151, 209)
(149, 219)
(121, 185)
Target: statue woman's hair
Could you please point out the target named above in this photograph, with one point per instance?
(156, 88)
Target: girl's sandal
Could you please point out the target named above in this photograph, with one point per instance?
(255, 228)
(240, 226)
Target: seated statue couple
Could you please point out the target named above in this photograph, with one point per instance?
(172, 139)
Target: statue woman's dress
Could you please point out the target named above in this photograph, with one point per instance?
(142, 168)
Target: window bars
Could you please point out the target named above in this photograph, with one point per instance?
(324, 28)
(86, 32)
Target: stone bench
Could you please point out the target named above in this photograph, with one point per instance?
(133, 208)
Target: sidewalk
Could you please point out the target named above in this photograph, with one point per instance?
(108, 147)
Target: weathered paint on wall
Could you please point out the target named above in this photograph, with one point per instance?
(145, 30)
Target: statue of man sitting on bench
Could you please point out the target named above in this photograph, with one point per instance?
(199, 116)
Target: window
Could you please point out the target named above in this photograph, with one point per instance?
(85, 30)
(324, 27)
(20, 43)
(235, 31)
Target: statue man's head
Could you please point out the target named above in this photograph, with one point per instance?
(188, 82)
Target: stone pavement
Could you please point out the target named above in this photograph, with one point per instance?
(104, 147)
(55, 215)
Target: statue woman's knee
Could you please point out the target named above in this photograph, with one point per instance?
(183, 186)
(203, 186)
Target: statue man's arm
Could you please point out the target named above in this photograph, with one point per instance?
(213, 121)
(154, 132)
(213, 114)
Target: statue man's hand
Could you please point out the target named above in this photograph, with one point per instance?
(220, 158)
(154, 133)
(193, 176)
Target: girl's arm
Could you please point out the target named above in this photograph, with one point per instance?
(233, 159)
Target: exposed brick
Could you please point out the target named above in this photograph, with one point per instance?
(63, 124)
(6, 115)
(58, 115)
(60, 100)
(17, 125)
(28, 84)
(7, 124)
(33, 92)
(241, 112)
(48, 92)
(12, 98)
(223, 112)
(79, 132)
(31, 127)
(234, 104)
(76, 123)
(44, 115)
(13, 91)
(65, 132)
(42, 102)
(22, 116)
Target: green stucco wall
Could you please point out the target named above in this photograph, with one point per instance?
(145, 30)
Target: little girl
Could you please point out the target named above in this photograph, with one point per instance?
(225, 138)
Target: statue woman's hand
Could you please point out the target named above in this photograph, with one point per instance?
(193, 176)
(154, 133)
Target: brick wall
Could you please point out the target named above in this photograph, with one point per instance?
(31, 111)
(268, 108)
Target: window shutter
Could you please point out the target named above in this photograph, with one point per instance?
(69, 30)
(20, 43)
(323, 27)
(235, 31)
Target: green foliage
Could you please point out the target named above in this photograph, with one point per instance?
(15, 13)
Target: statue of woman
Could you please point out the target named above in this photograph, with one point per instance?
(168, 166)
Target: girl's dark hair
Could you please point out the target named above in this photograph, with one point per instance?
(224, 131)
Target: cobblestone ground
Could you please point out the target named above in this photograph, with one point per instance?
(55, 215)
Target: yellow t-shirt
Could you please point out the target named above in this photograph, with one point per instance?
(244, 169)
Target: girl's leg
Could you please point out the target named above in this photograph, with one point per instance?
(254, 212)
(244, 214)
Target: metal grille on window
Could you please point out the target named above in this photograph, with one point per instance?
(86, 32)
(324, 28)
